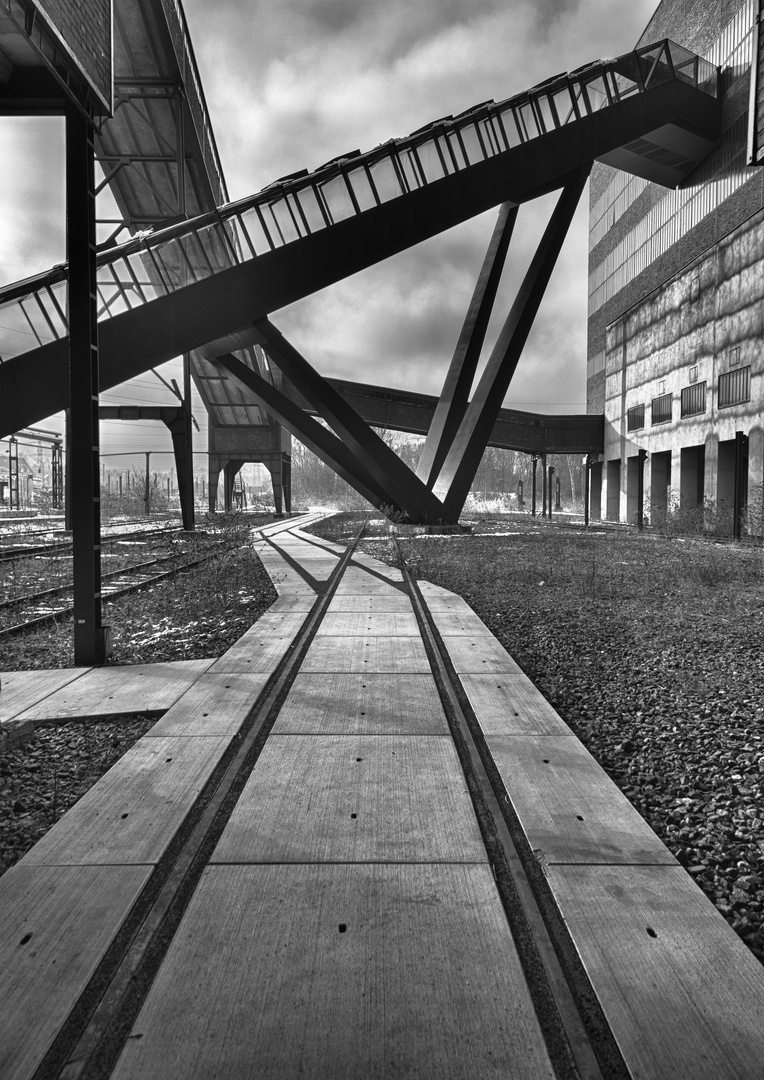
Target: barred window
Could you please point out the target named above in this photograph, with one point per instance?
(635, 418)
(694, 399)
(735, 387)
(661, 409)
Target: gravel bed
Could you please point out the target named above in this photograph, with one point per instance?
(41, 780)
(652, 650)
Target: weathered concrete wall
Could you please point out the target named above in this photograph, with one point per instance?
(698, 319)
(701, 298)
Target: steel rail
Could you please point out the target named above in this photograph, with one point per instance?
(579, 1043)
(90, 1041)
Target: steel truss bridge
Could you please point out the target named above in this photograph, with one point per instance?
(206, 287)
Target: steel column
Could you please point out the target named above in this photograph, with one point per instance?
(642, 455)
(550, 472)
(91, 639)
(461, 464)
(535, 461)
(740, 491)
(543, 485)
(587, 479)
(402, 487)
(454, 397)
(231, 470)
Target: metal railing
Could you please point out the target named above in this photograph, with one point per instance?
(150, 265)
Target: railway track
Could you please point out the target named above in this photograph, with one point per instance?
(89, 1048)
(33, 610)
(18, 552)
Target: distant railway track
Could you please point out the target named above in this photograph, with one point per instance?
(13, 554)
(33, 609)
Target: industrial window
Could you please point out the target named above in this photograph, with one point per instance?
(635, 418)
(694, 399)
(735, 387)
(661, 409)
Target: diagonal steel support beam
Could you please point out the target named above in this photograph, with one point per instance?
(454, 397)
(463, 459)
(324, 444)
(392, 475)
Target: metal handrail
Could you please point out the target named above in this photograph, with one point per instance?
(151, 264)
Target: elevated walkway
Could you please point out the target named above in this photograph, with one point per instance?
(363, 844)
(189, 285)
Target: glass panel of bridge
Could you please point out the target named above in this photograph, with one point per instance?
(198, 263)
(429, 160)
(510, 124)
(596, 92)
(544, 108)
(142, 270)
(252, 225)
(472, 147)
(284, 220)
(386, 179)
(217, 245)
(36, 320)
(170, 262)
(494, 141)
(16, 335)
(359, 182)
(337, 198)
(410, 169)
(55, 305)
(311, 208)
(563, 104)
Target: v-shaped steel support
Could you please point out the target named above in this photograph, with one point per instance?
(463, 459)
(323, 443)
(403, 488)
(454, 397)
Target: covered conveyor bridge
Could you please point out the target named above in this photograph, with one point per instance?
(209, 284)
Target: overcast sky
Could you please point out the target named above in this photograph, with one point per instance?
(293, 83)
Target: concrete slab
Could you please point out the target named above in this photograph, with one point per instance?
(362, 705)
(342, 798)
(108, 691)
(215, 705)
(255, 653)
(372, 624)
(479, 654)
(570, 809)
(681, 991)
(134, 811)
(57, 924)
(23, 689)
(511, 705)
(372, 654)
(341, 972)
(394, 601)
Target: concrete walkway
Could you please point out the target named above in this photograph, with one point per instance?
(347, 922)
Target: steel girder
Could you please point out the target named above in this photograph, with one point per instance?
(322, 442)
(461, 463)
(454, 397)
